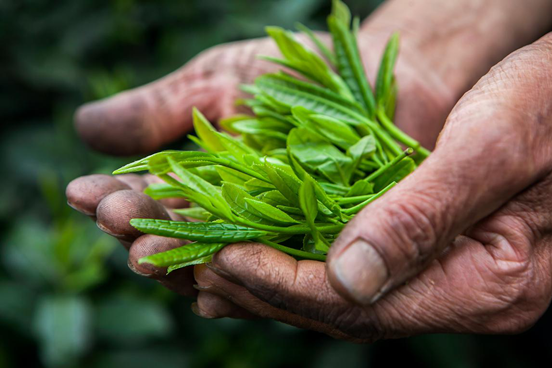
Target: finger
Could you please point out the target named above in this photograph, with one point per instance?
(115, 211)
(180, 281)
(145, 118)
(147, 245)
(212, 306)
(481, 161)
(481, 285)
(214, 283)
(135, 182)
(85, 193)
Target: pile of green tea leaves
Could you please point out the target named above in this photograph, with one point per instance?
(320, 146)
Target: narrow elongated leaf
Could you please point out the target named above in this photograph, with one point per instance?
(206, 132)
(236, 198)
(260, 127)
(384, 82)
(319, 44)
(318, 190)
(197, 261)
(306, 62)
(180, 156)
(258, 185)
(162, 190)
(195, 182)
(270, 213)
(196, 213)
(309, 206)
(197, 185)
(287, 184)
(348, 59)
(290, 93)
(337, 132)
(292, 210)
(182, 254)
(364, 148)
(341, 12)
(307, 201)
(395, 173)
(205, 232)
(274, 198)
(235, 148)
(360, 188)
(233, 176)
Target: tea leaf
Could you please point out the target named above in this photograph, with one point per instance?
(205, 232)
(307, 201)
(364, 148)
(385, 76)
(196, 213)
(162, 190)
(236, 198)
(306, 62)
(181, 156)
(348, 59)
(341, 12)
(319, 44)
(270, 213)
(182, 254)
(233, 176)
(206, 132)
(197, 261)
(337, 132)
(290, 92)
(285, 183)
(200, 188)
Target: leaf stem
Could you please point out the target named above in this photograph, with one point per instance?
(349, 200)
(389, 165)
(295, 229)
(292, 251)
(242, 169)
(358, 207)
(399, 135)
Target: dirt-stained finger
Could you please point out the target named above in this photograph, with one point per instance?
(85, 193)
(117, 209)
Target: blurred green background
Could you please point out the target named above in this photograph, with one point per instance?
(67, 298)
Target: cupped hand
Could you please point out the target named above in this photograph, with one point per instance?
(461, 245)
(143, 119)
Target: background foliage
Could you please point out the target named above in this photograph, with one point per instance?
(67, 298)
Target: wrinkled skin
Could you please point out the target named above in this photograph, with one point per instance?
(461, 245)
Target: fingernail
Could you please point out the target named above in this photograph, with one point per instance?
(109, 232)
(197, 311)
(201, 288)
(80, 209)
(361, 271)
(222, 273)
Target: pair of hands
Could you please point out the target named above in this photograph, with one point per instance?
(469, 231)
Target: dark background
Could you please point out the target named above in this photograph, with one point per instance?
(67, 298)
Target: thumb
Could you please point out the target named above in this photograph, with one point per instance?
(490, 149)
(143, 119)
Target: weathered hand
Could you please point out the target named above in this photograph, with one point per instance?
(469, 231)
(141, 120)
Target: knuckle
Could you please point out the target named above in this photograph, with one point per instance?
(363, 325)
(517, 289)
(410, 227)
